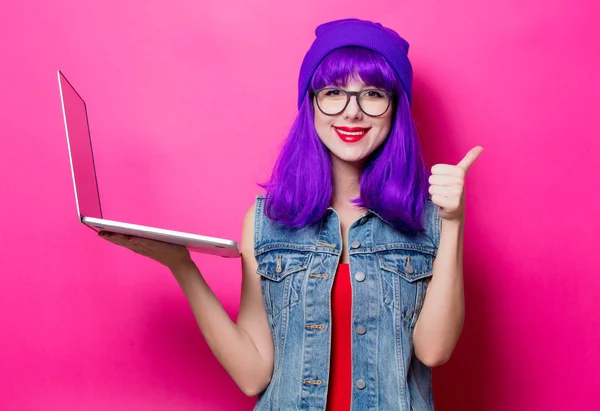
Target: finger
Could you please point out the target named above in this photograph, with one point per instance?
(144, 249)
(446, 191)
(440, 200)
(446, 203)
(446, 180)
(112, 236)
(470, 158)
(447, 170)
(131, 243)
(120, 243)
(137, 244)
(145, 244)
(439, 191)
(139, 250)
(118, 239)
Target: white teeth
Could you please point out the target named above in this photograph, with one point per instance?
(351, 133)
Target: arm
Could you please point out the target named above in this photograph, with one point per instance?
(244, 349)
(442, 316)
(441, 320)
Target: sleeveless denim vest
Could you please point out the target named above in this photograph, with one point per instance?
(389, 271)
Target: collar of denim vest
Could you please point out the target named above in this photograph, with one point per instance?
(363, 218)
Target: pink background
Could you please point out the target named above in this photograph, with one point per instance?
(189, 102)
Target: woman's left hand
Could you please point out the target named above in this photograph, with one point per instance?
(447, 185)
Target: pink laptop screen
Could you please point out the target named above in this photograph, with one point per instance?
(80, 148)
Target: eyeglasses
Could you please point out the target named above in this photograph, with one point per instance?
(373, 102)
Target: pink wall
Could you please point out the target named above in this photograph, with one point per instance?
(189, 102)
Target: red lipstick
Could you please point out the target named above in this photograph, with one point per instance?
(351, 134)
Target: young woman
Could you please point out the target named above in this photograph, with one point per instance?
(352, 285)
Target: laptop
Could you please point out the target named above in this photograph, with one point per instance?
(87, 195)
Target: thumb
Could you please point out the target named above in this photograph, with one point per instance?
(470, 158)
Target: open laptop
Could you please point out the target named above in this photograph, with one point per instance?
(87, 196)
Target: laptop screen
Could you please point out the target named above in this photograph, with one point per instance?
(80, 151)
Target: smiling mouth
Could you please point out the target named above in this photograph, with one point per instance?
(351, 134)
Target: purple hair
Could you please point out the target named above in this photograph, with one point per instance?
(394, 178)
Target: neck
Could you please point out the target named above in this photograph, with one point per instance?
(346, 183)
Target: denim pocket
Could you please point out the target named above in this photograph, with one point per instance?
(282, 276)
(405, 275)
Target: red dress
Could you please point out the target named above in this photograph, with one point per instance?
(340, 376)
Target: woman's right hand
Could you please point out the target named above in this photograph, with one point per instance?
(170, 255)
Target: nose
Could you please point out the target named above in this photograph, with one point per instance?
(352, 110)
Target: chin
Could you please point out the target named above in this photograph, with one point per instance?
(349, 155)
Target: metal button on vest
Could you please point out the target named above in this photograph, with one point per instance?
(361, 329)
(360, 276)
(361, 384)
(355, 244)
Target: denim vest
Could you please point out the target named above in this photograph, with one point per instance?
(389, 271)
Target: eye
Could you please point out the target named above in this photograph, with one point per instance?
(333, 92)
(374, 94)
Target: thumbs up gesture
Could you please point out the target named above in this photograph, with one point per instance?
(447, 185)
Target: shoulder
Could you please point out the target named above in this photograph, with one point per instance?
(248, 231)
(249, 226)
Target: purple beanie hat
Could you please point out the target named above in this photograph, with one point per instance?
(362, 33)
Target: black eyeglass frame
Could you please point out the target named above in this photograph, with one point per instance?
(349, 94)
